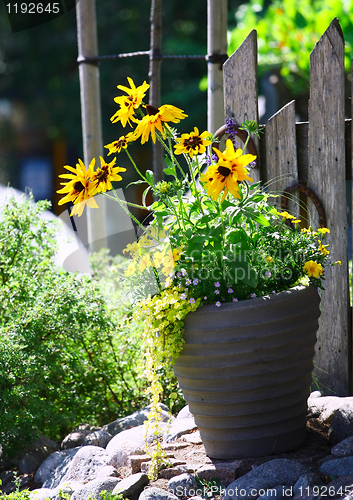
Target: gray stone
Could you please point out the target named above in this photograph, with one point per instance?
(136, 419)
(77, 436)
(154, 493)
(344, 448)
(180, 427)
(129, 442)
(86, 464)
(305, 483)
(36, 453)
(278, 493)
(29, 463)
(324, 408)
(182, 486)
(97, 438)
(226, 472)
(174, 471)
(338, 467)
(55, 493)
(132, 486)
(54, 468)
(185, 413)
(41, 494)
(341, 426)
(106, 471)
(94, 488)
(280, 471)
(339, 487)
(135, 461)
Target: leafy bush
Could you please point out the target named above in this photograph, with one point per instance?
(287, 32)
(67, 354)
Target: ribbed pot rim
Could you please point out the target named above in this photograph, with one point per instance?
(260, 301)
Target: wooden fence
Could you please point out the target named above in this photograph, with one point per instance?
(317, 154)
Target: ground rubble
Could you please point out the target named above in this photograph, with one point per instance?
(112, 458)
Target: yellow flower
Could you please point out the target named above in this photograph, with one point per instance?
(130, 103)
(286, 215)
(156, 119)
(312, 268)
(192, 143)
(323, 248)
(131, 269)
(158, 259)
(323, 230)
(121, 143)
(79, 189)
(176, 253)
(229, 169)
(106, 174)
(269, 259)
(132, 248)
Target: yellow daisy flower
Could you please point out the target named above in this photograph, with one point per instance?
(323, 230)
(323, 248)
(193, 143)
(121, 143)
(79, 189)
(156, 119)
(312, 268)
(106, 174)
(129, 103)
(229, 169)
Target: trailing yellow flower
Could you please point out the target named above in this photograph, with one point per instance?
(132, 248)
(156, 119)
(312, 268)
(323, 230)
(79, 189)
(286, 215)
(323, 248)
(229, 169)
(193, 143)
(129, 103)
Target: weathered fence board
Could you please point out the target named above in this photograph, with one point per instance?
(241, 92)
(327, 177)
(281, 149)
(313, 153)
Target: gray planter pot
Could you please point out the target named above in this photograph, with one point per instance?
(245, 371)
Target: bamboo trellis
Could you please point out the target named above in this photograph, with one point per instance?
(90, 93)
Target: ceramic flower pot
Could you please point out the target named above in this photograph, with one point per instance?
(245, 371)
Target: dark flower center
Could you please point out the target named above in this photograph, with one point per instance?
(78, 186)
(152, 110)
(102, 174)
(225, 171)
(193, 142)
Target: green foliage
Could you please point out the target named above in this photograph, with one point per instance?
(65, 356)
(288, 31)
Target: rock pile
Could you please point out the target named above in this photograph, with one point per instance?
(112, 458)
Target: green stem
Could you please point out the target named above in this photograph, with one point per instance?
(189, 162)
(130, 214)
(135, 167)
(171, 154)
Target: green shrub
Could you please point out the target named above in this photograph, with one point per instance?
(67, 353)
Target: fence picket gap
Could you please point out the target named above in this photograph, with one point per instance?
(240, 86)
(326, 176)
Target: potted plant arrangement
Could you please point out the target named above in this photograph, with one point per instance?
(226, 288)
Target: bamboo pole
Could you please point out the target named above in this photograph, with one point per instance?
(155, 78)
(216, 46)
(91, 112)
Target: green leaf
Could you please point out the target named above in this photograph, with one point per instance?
(238, 237)
(150, 177)
(144, 195)
(140, 181)
(257, 217)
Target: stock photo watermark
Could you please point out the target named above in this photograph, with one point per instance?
(25, 14)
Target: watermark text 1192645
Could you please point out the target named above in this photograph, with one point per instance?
(24, 14)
